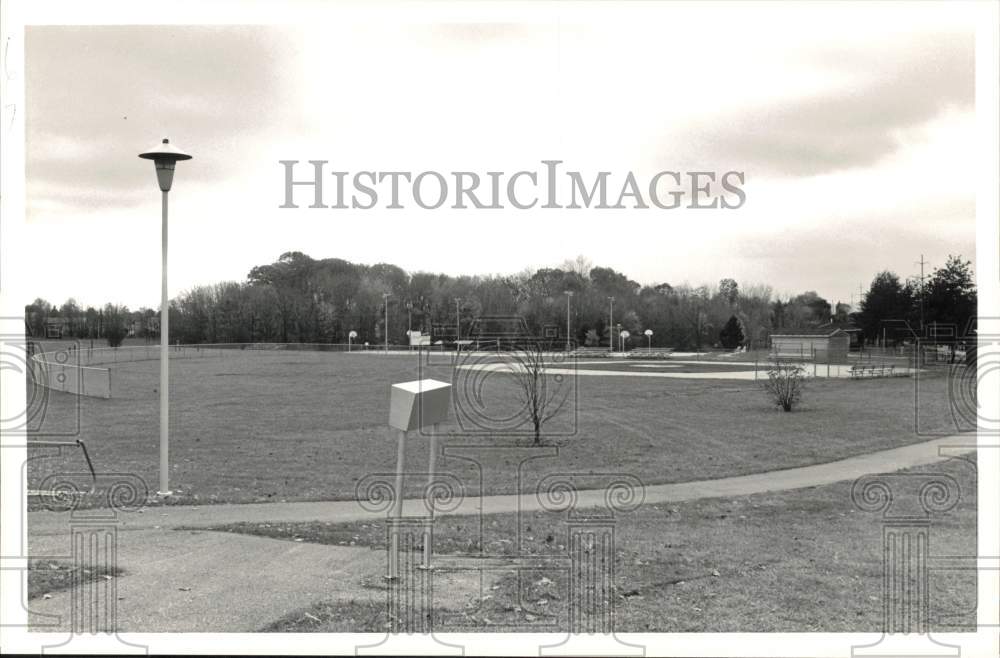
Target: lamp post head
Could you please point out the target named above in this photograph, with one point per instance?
(164, 156)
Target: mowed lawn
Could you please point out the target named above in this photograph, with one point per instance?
(271, 426)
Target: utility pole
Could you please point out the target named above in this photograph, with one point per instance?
(922, 262)
(611, 324)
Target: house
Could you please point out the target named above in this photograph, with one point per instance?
(824, 344)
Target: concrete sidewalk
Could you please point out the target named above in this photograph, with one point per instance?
(170, 516)
(212, 581)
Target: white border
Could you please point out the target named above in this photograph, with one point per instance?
(16, 14)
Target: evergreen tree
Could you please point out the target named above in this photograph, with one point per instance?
(731, 335)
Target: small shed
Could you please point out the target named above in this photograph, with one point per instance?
(822, 344)
(852, 330)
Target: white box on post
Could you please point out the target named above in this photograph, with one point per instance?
(415, 405)
(419, 403)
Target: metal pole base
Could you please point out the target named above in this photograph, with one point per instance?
(164, 494)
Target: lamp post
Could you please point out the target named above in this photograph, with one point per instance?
(649, 339)
(165, 157)
(569, 295)
(611, 324)
(385, 300)
(409, 324)
(458, 324)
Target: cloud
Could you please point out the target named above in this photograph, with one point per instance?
(883, 91)
(98, 96)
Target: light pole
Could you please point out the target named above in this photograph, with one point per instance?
(611, 324)
(458, 323)
(649, 339)
(164, 156)
(385, 300)
(409, 324)
(569, 295)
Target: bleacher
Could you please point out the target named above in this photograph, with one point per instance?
(650, 353)
(881, 370)
(589, 352)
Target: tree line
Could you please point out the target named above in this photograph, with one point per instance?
(301, 299)
(944, 305)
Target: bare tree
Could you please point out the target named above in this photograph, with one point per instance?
(784, 384)
(541, 395)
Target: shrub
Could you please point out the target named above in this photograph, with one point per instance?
(115, 335)
(114, 324)
(784, 384)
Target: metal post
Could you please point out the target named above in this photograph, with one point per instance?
(385, 296)
(397, 507)
(164, 489)
(569, 295)
(458, 324)
(431, 464)
(611, 324)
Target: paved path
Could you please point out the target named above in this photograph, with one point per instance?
(212, 581)
(196, 581)
(43, 522)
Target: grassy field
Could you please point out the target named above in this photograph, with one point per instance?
(251, 427)
(795, 561)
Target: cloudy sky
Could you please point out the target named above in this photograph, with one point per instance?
(854, 125)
